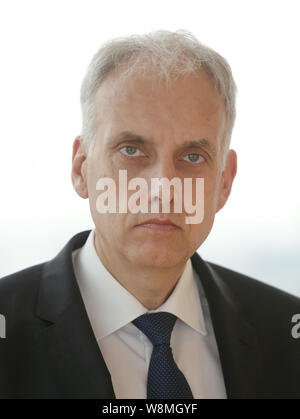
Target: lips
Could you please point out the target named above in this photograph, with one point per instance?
(159, 225)
(158, 221)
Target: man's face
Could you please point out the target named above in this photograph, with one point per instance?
(166, 119)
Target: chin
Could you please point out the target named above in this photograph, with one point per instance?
(157, 256)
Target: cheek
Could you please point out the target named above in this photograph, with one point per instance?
(113, 228)
(211, 192)
(196, 234)
(98, 169)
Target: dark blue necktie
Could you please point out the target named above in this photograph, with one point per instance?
(165, 380)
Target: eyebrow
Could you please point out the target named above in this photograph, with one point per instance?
(203, 143)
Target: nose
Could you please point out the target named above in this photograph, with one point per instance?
(163, 183)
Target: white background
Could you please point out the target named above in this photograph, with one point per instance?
(45, 49)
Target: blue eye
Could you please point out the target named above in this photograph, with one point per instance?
(194, 158)
(131, 151)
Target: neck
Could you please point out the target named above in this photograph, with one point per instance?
(151, 285)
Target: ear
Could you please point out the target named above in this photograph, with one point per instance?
(79, 161)
(228, 176)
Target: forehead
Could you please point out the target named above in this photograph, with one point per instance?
(186, 105)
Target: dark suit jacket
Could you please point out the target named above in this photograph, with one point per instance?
(50, 350)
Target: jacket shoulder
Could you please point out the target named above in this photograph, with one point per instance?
(252, 288)
(19, 288)
(18, 278)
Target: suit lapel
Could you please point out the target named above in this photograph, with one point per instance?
(75, 365)
(236, 338)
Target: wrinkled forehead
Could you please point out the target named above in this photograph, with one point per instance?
(127, 82)
(186, 102)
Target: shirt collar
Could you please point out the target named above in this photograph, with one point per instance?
(110, 306)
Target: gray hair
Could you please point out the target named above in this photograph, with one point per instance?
(169, 54)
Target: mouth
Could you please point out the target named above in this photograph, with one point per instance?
(157, 224)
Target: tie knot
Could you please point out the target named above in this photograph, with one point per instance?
(156, 326)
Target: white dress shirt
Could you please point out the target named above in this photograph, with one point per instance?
(126, 350)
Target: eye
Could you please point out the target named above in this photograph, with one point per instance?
(131, 151)
(194, 158)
